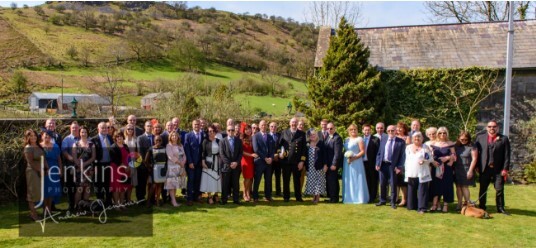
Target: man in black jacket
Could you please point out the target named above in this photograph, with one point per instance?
(372, 145)
(231, 156)
(334, 160)
(103, 142)
(292, 154)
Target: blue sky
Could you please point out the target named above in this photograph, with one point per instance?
(376, 14)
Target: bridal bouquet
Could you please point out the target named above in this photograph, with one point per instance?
(348, 154)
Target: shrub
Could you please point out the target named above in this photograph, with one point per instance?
(529, 172)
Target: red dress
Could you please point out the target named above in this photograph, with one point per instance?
(118, 182)
(247, 161)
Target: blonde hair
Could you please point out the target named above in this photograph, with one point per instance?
(443, 129)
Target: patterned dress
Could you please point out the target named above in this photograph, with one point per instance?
(316, 179)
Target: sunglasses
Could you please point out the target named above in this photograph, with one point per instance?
(390, 131)
(130, 129)
(441, 133)
(464, 140)
(492, 126)
(331, 128)
(230, 130)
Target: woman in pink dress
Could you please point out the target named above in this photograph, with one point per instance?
(120, 177)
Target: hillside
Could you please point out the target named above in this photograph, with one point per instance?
(149, 42)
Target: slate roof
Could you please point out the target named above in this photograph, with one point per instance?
(443, 45)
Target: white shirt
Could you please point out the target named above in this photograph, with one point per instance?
(413, 167)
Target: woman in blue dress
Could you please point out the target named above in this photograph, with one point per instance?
(354, 189)
(52, 190)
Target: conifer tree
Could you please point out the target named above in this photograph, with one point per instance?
(345, 90)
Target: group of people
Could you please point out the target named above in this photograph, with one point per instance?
(159, 161)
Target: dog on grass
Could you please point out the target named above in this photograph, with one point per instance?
(472, 211)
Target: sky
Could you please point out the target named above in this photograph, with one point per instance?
(375, 13)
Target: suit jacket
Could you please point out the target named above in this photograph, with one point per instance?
(261, 148)
(384, 136)
(500, 152)
(334, 151)
(399, 153)
(144, 143)
(193, 148)
(320, 156)
(227, 156)
(321, 136)
(372, 149)
(116, 156)
(98, 146)
(294, 145)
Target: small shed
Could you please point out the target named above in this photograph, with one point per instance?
(150, 101)
(51, 102)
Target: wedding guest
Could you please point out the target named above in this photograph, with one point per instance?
(84, 153)
(166, 132)
(211, 178)
(193, 148)
(443, 177)
(467, 156)
(144, 142)
(493, 163)
(50, 127)
(380, 131)
(132, 120)
(248, 167)
(372, 145)
(276, 165)
(402, 133)
(68, 163)
(134, 158)
(417, 173)
(354, 190)
(334, 160)
(176, 174)
(33, 154)
(231, 154)
(120, 176)
(176, 126)
(111, 128)
(254, 128)
(389, 162)
(103, 142)
(52, 190)
(301, 127)
(158, 129)
(292, 154)
(219, 134)
(316, 167)
(415, 127)
(431, 134)
(263, 146)
(156, 159)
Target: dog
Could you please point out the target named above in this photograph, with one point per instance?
(472, 211)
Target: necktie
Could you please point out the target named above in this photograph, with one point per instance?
(151, 139)
(231, 144)
(389, 149)
(366, 147)
(264, 137)
(197, 137)
(325, 135)
(106, 142)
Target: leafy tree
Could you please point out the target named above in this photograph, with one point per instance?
(19, 82)
(186, 54)
(72, 52)
(344, 90)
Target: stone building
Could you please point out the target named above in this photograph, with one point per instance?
(458, 46)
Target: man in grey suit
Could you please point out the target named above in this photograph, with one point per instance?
(231, 156)
(144, 143)
(264, 148)
(494, 164)
(390, 162)
(380, 131)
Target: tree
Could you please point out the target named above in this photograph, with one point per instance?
(328, 13)
(474, 11)
(186, 54)
(344, 90)
(19, 82)
(87, 18)
(85, 55)
(13, 6)
(118, 51)
(110, 85)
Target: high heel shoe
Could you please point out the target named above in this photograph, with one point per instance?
(402, 204)
(445, 208)
(433, 208)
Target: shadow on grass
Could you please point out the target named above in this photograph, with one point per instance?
(215, 75)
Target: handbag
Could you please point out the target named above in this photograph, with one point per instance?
(159, 172)
(439, 171)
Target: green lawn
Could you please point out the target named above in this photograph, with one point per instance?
(304, 225)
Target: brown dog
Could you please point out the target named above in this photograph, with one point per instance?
(472, 211)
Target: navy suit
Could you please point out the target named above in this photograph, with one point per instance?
(193, 149)
(333, 157)
(387, 167)
(264, 147)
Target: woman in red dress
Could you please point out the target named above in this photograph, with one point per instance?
(120, 181)
(247, 160)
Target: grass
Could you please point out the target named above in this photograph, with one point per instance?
(303, 225)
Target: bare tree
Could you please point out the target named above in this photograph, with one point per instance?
(329, 13)
(110, 84)
(474, 11)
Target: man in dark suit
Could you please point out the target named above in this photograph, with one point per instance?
(292, 153)
(176, 123)
(276, 165)
(323, 135)
(50, 128)
(193, 149)
(144, 142)
(102, 142)
(334, 160)
(231, 156)
(372, 145)
(493, 163)
(264, 148)
(390, 162)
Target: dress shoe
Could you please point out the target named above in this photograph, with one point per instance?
(268, 199)
(393, 206)
(299, 199)
(286, 200)
(502, 211)
(380, 204)
(237, 202)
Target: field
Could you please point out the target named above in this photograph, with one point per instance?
(304, 225)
